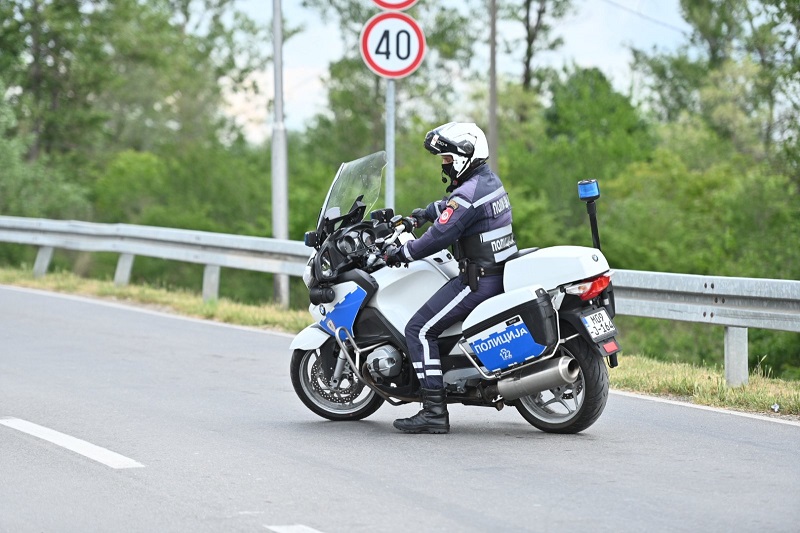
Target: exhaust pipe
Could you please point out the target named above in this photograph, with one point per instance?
(540, 377)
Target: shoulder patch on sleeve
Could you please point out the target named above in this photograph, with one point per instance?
(445, 216)
(453, 204)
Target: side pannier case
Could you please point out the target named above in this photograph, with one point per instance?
(512, 328)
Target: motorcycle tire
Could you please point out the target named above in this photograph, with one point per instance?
(353, 401)
(574, 407)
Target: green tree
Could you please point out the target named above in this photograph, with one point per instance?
(751, 48)
(537, 18)
(29, 188)
(207, 187)
(91, 77)
(172, 61)
(588, 131)
(132, 183)
(705, 210)
(56, 69)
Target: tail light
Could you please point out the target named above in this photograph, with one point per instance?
(591, 288)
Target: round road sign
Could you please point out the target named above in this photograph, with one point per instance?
(392, 44)
(395, 4)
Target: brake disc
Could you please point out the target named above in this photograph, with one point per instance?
(322, 386)
(577, 387)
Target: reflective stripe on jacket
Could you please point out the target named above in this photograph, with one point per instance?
(478, 208)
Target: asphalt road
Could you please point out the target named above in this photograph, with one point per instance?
(217, 441)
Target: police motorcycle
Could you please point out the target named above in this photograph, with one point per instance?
(542, 346)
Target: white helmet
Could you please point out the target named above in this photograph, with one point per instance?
(464, 141)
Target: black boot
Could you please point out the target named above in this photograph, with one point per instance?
(432, 419)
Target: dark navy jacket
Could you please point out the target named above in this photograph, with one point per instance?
(476, 215)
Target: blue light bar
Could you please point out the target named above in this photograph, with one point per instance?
(588, 190)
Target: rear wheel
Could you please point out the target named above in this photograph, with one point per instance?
(351, 400)
(574, 407)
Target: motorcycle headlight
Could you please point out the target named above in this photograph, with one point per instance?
(325, 266)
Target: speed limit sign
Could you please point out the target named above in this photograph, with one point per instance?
(395, 4)
(392, 44)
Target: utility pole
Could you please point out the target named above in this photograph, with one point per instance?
(280, 218)
(493, 162)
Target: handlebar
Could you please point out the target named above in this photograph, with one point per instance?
(401, 225)
(399, 230)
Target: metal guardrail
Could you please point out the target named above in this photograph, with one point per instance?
(722, 301)
(214, 250)
(735, 303)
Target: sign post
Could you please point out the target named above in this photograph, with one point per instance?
(392, 45)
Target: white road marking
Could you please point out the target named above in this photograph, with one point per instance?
(87, 449)
(706, 408)
(297, 528)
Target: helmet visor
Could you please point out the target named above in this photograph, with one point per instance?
(439, 145)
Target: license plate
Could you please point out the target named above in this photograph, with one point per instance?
(599, 325)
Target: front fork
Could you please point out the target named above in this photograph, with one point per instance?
(333, 365)
(338, 370)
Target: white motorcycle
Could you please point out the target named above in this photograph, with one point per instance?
(540, 346)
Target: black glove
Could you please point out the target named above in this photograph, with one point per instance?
(420, 216)
(394, 257)
(408, 224)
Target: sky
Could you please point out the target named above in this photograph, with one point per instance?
(596, 34)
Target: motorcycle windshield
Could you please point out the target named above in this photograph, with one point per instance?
(359, 178)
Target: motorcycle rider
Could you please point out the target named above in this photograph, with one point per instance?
(475, 218)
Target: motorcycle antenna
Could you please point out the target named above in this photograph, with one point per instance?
(589, 191)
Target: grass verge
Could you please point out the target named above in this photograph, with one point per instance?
(172, 300)
(700, 385)
(706, 386)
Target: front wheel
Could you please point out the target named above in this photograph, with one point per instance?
(351, 400)
(574, 407)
